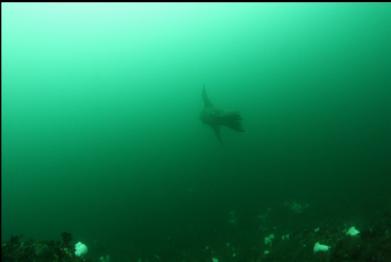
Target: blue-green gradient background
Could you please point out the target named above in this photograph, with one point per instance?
(101, 135)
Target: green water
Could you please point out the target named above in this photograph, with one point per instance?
(101, 135)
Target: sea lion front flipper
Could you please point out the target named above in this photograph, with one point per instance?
(205, 98)
(216, 129)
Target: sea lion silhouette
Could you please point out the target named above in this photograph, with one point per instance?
(217, 118)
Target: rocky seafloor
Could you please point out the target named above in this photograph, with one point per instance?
(372, 244)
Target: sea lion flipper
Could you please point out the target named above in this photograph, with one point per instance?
(205, 98)
(216, 129)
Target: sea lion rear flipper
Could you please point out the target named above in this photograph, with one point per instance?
(233, 121)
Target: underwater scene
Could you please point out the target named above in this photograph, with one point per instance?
(196, 132)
